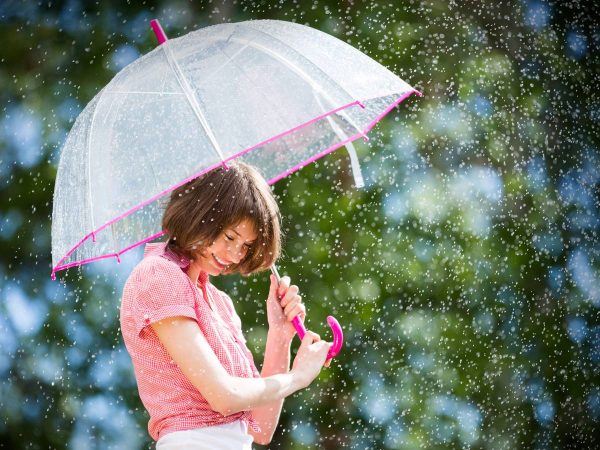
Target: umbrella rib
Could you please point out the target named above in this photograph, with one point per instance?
(355, 164)
(266, 98)
(302, 74)
(222, 66)
(89, 166)
(189, 93)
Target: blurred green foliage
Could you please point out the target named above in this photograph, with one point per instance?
(466, 275)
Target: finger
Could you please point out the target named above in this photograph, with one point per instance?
(302, 313)
(302, 316)
(327, 363)
(315, 337)
(308, 339)
(290, 300)
(273, 288)
(284, 283)
(291, 292)
(323, 346)
(294, 309)
(311, 334)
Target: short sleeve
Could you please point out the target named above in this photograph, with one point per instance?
(164, 290)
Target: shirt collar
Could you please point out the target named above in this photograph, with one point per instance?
(161, 249)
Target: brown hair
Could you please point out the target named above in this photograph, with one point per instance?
(200, 210)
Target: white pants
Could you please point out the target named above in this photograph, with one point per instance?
(230, 436)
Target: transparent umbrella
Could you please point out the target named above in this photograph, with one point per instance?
(276, 95)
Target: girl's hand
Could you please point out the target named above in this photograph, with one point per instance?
(283, 304)
(310, 359)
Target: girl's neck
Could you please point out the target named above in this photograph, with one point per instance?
(196, 274)
(193, 273)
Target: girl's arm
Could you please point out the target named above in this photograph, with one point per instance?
(227, 394)
(283, 304)
(277, 361)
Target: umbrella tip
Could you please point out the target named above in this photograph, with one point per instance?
(158, 31)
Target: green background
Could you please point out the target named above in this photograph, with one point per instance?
(466, 274)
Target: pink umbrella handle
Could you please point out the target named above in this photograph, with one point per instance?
(338, 335)
(299, 326)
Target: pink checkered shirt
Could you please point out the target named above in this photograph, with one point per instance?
(159, 288)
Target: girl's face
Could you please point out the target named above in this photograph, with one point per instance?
(229, 248)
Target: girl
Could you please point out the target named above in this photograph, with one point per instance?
(195, 375)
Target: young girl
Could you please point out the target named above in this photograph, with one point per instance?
(195, 375)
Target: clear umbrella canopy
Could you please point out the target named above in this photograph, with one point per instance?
(273, 94)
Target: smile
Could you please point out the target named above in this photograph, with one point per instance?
(222, 264)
